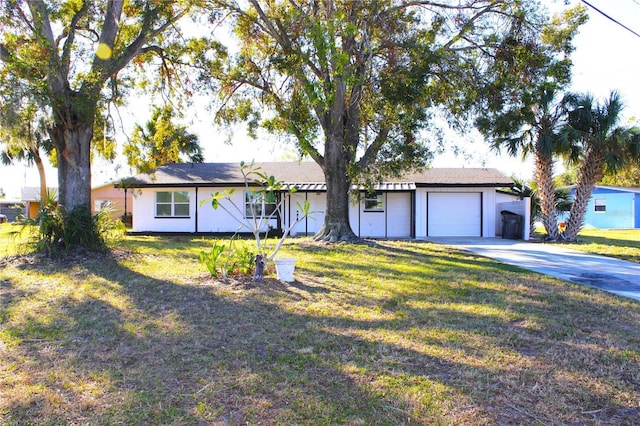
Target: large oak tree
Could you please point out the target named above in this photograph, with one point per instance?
(72, 55)
(355, 82)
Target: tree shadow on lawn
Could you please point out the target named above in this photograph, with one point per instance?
(546, 299)
(621, 244)
(426, 270)
(608, 241)
(549, 321)
(209, 353)
(181, 354)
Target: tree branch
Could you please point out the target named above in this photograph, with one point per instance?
(65, 59)
(468, 25)
(371, 152)
(135, 48)
(24, 18)
(56, 77)
(42, 25)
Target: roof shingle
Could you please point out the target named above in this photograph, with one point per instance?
(306, 173)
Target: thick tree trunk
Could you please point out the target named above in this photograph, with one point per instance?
(591, 172)
(547, 195)
(336, 225)
(74, 166)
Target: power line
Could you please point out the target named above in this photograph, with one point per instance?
(610, 18)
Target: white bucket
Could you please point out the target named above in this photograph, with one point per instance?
(285, 268)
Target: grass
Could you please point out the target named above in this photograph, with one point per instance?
(389, 333)
(12, 239)
(620, 243)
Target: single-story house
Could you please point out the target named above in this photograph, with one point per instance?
(102, 196)
(30, 196)
(119, 200)
(11, 209)
(436, 202)
(612, 207)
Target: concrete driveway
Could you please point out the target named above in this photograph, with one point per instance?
(612, 275)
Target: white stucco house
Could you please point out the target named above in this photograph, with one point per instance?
(436, 202)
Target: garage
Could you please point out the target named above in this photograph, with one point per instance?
(454, 214)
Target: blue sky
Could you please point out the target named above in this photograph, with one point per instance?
(605, 58)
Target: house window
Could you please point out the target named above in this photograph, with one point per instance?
(172, 204)
(599, 205)
(374, 202)
(261, 204)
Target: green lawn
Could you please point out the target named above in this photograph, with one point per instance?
(390, 333)
(621, 243)
(12, 240)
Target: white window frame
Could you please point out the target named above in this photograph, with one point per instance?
(600, 203)
(262, 208)
(173, 204)
(374, 202)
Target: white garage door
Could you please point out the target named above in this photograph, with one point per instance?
(454, 214)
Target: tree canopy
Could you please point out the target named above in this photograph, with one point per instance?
(161, 141)
(73, 57)
(355, 83)
(533, 123)
(600, 142)
(628, 175)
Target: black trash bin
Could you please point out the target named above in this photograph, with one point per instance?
(511, 225)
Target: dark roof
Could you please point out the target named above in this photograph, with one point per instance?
(459, 177)
(305, 173)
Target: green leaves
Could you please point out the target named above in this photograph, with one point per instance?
(262, 202)
(217, 196)
(347, 72)
(212, 259)
(162, 141)
(233, 259)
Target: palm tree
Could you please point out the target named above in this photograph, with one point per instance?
(22, 134)
(161, 142)
(598, 142)
(523, 189)
(538, 131)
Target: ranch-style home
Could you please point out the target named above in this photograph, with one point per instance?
(611, 207)
(436, 202)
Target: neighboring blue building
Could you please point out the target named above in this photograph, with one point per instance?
(612, 207)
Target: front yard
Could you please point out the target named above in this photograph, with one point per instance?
(388, 333)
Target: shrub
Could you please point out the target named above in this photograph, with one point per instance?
(50, 225)
(212, 259)
(222, 260)
(58, 230)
